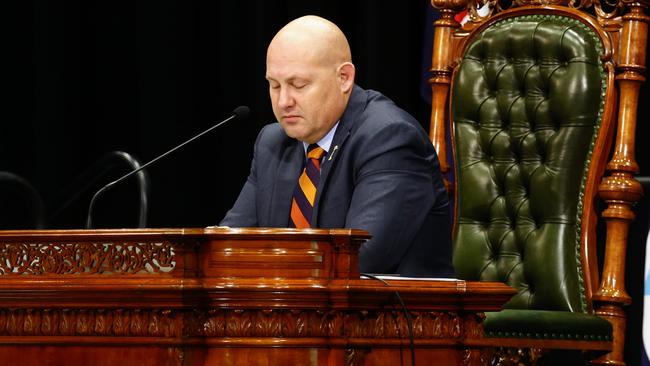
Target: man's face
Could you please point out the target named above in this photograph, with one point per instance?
(306, 93)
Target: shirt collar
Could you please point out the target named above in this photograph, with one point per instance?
(326, 141)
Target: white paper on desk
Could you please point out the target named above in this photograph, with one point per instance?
(392, 277)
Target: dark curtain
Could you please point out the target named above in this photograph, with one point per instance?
(88, 77)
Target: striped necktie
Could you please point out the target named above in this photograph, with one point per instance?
(304, 194)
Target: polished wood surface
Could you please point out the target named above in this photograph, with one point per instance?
(224, 297)
(620, 189)
(623, 28)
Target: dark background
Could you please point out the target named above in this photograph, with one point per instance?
(94, 76)
(88, 77)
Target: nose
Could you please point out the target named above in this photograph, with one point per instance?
(285, 99)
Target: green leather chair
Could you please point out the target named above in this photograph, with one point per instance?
(532, 117)
(528, 100)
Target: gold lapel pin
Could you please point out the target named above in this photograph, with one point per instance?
(333, 151)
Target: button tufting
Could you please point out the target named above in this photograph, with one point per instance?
(511, 184)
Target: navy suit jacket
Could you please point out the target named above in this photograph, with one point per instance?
(381, 174)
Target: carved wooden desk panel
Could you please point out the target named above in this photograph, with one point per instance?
(223, 297)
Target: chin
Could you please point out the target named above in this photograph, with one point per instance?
(292, 133)
(288, 130)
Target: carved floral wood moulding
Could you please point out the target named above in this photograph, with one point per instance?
(604, 10)
(91, 322)
(256, 323)
(86, 258)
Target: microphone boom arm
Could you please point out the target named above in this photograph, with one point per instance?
(238, 112)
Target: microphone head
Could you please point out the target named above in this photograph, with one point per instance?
(241, 112)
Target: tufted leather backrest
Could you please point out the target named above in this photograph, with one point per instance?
(527, 99)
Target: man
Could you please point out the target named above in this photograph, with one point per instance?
(379, 171)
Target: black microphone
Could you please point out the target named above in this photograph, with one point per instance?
(240, 112)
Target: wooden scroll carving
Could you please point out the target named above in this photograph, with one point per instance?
(86, 258)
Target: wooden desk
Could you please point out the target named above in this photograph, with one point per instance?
(223, 297)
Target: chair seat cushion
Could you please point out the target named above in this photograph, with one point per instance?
(542, 324)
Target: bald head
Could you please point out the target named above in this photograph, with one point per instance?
(314, 37)
(311, 76)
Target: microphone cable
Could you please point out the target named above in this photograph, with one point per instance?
(409, 320)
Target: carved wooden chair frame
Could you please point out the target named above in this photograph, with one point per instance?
(625, 24)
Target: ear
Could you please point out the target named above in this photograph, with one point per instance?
(346, 76)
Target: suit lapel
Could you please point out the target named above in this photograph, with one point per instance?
(355, 107)
(288, 172)
(328, 162)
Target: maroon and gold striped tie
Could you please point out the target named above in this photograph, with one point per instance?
(304, 195)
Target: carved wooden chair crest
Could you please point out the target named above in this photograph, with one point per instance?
(533, 95)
